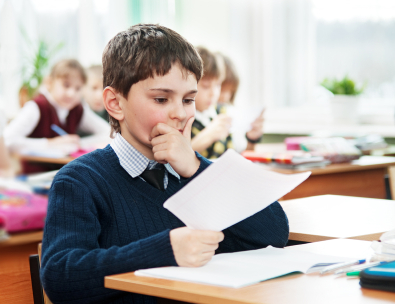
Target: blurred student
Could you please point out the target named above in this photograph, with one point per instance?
(210, 131)
(227, 96)
(93, 92)
(5, 162)
(59, 103)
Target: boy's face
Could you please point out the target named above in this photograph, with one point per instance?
(93, 93)
(67, 91)
(209, 90)
(168, 99)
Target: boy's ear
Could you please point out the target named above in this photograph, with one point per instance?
(111, 100)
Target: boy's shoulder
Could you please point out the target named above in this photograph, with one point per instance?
(98, 162)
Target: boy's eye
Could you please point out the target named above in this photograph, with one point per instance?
(189, 101)
(160, 100)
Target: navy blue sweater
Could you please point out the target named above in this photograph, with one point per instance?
(101, 221)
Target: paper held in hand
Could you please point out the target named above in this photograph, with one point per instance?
(228, 191)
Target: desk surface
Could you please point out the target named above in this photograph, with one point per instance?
(364, 163)
(22, 238)
(296, 288)
(325, 217)
(51, 160)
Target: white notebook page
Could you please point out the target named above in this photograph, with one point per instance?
(228, 191)
(241, 269)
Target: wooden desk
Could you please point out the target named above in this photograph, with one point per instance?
(363, 178)
(295, 288)
(15, 283)
(40, 159)
(325, 217)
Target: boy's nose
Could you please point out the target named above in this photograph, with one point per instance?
(178, 112)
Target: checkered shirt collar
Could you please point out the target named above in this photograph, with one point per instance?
(132, 160)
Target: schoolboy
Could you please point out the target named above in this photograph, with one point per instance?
(105, 214)
(210, 131)
(59, 103)
(227, 96)
(93, 91)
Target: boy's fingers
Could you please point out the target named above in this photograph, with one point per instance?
(211, 237)
(160, 129)
(188, 128)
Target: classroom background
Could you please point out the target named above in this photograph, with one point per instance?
(283, 50)
(323, 71)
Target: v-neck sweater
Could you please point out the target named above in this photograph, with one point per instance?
(101, 221)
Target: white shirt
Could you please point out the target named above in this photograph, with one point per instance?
(15, 134)
(206, 116)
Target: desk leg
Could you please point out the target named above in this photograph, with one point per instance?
(15, 282)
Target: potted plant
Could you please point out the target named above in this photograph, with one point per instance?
(345, 100)
(34, 70)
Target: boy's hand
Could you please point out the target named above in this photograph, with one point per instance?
(256, 127)
(194, 248)
(70, 139)
(218, 128)
(171, 146)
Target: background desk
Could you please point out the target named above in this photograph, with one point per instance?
(15, 283)
(40, 159)
(295, 289)
(363, 177)
(325, 217)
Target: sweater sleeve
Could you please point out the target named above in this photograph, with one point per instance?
(73, 264)
(267, 227)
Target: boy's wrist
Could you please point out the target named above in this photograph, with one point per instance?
(194, 167)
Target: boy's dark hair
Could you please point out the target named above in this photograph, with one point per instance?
(62, 68)
(213, 65)
(231, 81)
(142, 51)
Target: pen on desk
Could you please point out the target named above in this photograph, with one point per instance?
(58, 130)
(341, 265)
(360, 267)
(353, 273)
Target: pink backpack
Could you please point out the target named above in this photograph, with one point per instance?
(22, 211)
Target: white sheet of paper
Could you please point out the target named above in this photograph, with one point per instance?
(243, 117)
(241, 269)
(228, 191)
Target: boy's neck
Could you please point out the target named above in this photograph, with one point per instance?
(143, 149)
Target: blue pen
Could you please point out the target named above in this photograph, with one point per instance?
(360, 267)
(58, 130)
(341, 265)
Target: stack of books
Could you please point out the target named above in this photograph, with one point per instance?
(297, 160)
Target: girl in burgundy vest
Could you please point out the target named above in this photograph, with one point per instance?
(59, 103)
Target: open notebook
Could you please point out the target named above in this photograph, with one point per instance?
(241, 269)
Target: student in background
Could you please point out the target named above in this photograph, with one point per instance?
(227, 96)
(210, 131)
(105, 212)
(59, 103)
(93, 91)
(5, 162)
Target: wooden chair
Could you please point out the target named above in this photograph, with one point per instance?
(39, 296)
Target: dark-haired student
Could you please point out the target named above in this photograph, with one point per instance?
(106, 213)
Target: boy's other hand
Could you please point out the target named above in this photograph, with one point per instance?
(194, 248)
(70, 139)
(218, 128)
(171, 146)
(256, 127)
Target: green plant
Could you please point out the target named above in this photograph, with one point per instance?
(345, 86)
(34, 70)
